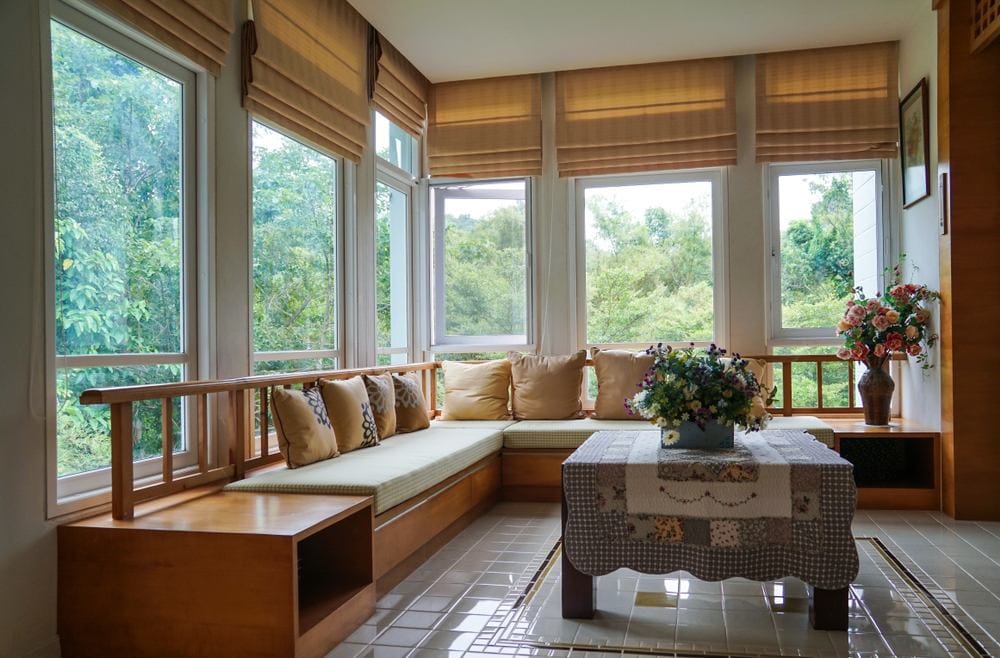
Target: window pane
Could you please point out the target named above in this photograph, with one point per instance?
(649, 263)
(294, 244)
(84, 431)
(392, 283)
(293, 365)
(829, 244)
(485, 259)
(118, 210)
(394, 145)
(805, 389)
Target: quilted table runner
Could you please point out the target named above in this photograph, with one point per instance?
(778, 504)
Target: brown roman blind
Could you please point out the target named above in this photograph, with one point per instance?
(400, 90)
(670, 115)
(488, 127)
(308, 72)
(197, 29)
(828, 104)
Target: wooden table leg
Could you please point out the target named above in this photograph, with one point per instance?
(828, 608)
(578, 591)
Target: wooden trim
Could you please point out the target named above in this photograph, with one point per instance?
(167, 438)
(122, 504)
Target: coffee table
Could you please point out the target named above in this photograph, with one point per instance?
(779, 504)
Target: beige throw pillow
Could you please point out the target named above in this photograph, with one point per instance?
(305, 434)
(547, 387)
(350, 413)
(619, 376)
(382, 396)
(411, 409)
(476, 391)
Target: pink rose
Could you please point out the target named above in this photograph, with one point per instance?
(880, 322)
(894, 341)
(855, 314)
(844, 354)
(912, 332)
(872, 305)
(892, 316)
(879, 349)
(922, 315)
(912, 288)
(859, 352)
(914, 349)
(899, 292)
(850, 303)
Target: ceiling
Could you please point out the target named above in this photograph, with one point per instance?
(459, 39)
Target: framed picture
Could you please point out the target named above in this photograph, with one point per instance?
(914, 145)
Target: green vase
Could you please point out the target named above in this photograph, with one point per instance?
(713, 437)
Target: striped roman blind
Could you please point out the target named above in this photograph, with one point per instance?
(308, 72)
(400, 90)
(197, 29)
(485, 128)
(828, 104)
(670, 115)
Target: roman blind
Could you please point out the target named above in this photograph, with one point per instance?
(400, 89)
(485, 128)
(308, 71)
(828, 104)
(197, 29)
(670, 115)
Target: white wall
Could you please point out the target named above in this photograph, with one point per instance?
(918, 229)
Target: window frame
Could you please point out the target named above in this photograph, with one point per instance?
(337, 353)
(78, 491)
(717, 177)
(779, 335)
(441, 343)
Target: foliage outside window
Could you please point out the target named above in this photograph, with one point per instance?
(120, 243)
(650, 259)
(481, 266)
(392, 280)
(294, 254)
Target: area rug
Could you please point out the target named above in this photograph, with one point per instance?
(892, 613)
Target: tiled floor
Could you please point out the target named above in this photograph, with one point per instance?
(461, 601)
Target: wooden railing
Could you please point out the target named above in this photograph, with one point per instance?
(234, 398)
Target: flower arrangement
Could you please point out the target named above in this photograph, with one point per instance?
(699, 387)
(897, 321)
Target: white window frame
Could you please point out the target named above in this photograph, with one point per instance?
(720, 281)
(442, 343)
(80, 491)
(339, 236)
(401, 180)
(777, 334)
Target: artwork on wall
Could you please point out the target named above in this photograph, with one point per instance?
(914, 145)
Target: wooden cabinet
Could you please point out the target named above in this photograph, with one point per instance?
(895, 467)
(229, 574)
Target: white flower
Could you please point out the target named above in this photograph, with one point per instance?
(670, 437)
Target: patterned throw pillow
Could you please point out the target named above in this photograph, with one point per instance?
(382, 396)
(350, 412)
(411, 409)
(305, 434)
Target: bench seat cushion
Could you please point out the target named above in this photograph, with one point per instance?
(478, 424)
(563, 434)
(810, 424)
(399, 468)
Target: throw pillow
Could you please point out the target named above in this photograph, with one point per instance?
(350, 412)
(411, 409)
(383, 401)
(619, 376)
(547, 387)
(476, 391)
(305, 434)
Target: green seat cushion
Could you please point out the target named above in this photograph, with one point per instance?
(463, 424)
(401, 467)
(810, 424)
(563, 434)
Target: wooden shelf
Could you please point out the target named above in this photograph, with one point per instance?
(228, 574)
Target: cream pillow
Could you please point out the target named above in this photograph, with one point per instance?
(760, 369)
(382, 396)
(305, 434)
(350, 413)
(476, 391)
(411, 409)
(547, 387)
(619, 376)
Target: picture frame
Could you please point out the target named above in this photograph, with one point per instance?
(914, 145)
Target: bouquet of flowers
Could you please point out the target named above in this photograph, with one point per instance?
(700, 387)
(898, 321)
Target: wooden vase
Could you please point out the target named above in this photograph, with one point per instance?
(876, 387)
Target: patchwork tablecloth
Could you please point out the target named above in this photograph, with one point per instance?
(778, 504)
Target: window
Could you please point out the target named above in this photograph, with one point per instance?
(122, 244)
(481, 264)
(392, 274)
(395, 146)
(826, 238)
(295, 243)
(651, 259)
